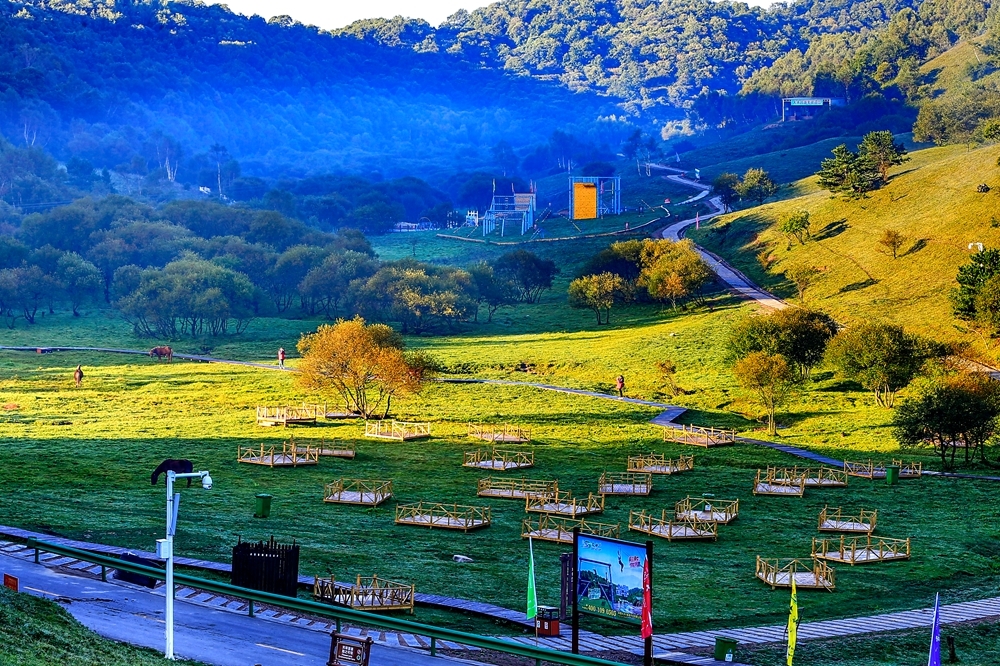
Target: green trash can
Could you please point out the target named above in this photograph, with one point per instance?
(725, 649)
(262, 505)
(892, 474)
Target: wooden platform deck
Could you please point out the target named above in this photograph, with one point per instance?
(286, 455)
(834, 520)
(332, 449)
(560, 530)
(400, 431)
(493, 486)
(808, 575)
(815, 477)
(873, 470)
(657, 463)
(707, 510)
(767, 484)
(499, 460)
(860, 549)
(500, 433)
(447, 516)
(625, 483)
(697, 436)
(672, 529)
(366, 492)
(561, 503)
(369, 593)
(286, 416)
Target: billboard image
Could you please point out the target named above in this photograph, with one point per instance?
(609, 575)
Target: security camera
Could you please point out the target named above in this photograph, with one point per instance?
(206, 481)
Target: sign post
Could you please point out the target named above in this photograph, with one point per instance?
(10, 582)
(349, 651)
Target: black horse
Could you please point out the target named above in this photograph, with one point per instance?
(171, 465)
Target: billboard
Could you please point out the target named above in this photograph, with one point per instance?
(584, 201)
(609, 577)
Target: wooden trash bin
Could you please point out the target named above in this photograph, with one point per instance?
(547, 621)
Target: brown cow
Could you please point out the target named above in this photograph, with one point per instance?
(160, 352)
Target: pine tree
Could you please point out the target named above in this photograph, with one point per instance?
(883, 152)
(848, 173)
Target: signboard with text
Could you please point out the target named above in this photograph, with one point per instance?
(609, 577)
(10, 582)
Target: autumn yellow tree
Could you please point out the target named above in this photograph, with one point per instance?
(768, 378)
(364, 363)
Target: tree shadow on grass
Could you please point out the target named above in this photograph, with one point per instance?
(917, 246)
(832, 230)
(857, 286)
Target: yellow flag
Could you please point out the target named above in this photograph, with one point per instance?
(793, 624)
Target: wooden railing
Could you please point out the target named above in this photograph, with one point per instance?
(368, 492)
(815, 477)
(286, 415)
(497, 433)
(699, 436)
(807, 574)
(448, 516)
(834, 520)
(860, 549)
(333, 449)
(910, 470)
(671, 528)
(657, 463)
(770, 482)
(871, 470)
(289, 455)
(398, 430)
(550, 527)
(499, 459)
(369, 593)
(561, 503)
(720, 511)
(625, 483)
(493, 486)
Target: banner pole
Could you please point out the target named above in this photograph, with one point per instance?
(647, 652)
(575, 591)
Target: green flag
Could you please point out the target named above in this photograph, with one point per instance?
(532, 597)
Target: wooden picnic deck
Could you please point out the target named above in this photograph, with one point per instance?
(493, 486)
(698, 436)
(658, 463)
(286, 416)
(499, 460)
(767, 483)
(549, 527)
(288, 455)
(672, 529)
(707, 510)
(860, 549)
(369, 593)
(815, 477)
(808, 575)
(873, 470)
(563, 504)
(332, 449)
(625, 483)
(366, 492)
(447, 516)
(500, 433)
(834, 520)
(399, 431)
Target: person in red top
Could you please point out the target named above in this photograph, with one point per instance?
(620, 385)
(281, 357)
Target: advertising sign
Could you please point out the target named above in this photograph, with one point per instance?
(609, 577)
(807, 101)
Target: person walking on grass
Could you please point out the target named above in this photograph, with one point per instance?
(78, 376)
(281, 357)
(620, 385)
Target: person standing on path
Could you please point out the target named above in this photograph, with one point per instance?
(620, 385)
(281, 357)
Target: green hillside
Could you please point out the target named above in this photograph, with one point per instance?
(932, 200)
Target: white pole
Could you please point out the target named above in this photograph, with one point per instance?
(169, 617)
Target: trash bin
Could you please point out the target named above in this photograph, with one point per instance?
(262, 505)
(547, 621)
(892, 474)
(725, 648)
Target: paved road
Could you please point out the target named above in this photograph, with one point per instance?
(134, 615)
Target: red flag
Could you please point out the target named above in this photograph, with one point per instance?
(647, 603)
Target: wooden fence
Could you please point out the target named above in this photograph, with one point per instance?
(498, 433)
(271, 416)
(499, 459)
(448, 516)
(860, 549)
(563, 504)
(698, 436)
(813, 574)
(266, 566)
(625, 483)
(549, 527)
(367, 492)
(911, 470)
(767, 483)
(872, 470)
(494, 486)
(815, 477)
(719, 511)
(400, 431)
(834, 520)
(369, 593)
(288, 455)
(670, 529)
(657, 463)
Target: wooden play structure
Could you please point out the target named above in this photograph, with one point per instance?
(808, 575)
(286, 416)
(815, 477)
(448, 516)
(271, 455)
(872, 470)
(369, 593)
(495, 486)
(563, 504)
(500, 433)
(834, 520)
(707, 510)
(860, 549)
(672, 528)
(367, 492)
(399, 431)
(625, 483)
(769, 482)
(332, 449)
(697, 436)
(549, 527)
(499, 460)
(657, 463)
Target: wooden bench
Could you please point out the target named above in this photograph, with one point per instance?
(367, 492)
(499, 459)
(369, 593)
(549, 527)
(563, 504)
(285, 416)
(860, 549)
(625, 483)
(767, 483)
(657, 463)
(494, 486)
(707, 510)
(447, 516)
(697, 436)
(399, 431)
(497, 433)
(670, 528)
(834, 520)
(808, 575)
(288, 455)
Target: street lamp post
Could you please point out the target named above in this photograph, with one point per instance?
(165, 547)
